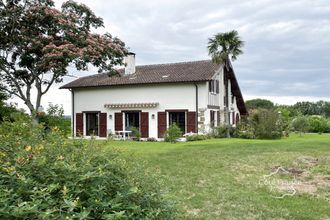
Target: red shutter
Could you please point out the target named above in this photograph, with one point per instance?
(144, 124)
(211, 118)
(191, 122)
(161, 124)
(79, 124)
(237, 119)
(118, 121)
(103, 125)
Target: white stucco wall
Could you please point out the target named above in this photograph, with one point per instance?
(169, 96)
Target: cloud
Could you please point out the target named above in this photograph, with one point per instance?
(287, 43)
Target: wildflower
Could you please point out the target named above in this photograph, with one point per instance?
(27, 147)
(60, 157)
(40, 147)
(20, 160)
(56, 129)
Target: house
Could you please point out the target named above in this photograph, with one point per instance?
(195, 95)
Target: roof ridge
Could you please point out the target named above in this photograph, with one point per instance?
(145, 65)
(172, 63)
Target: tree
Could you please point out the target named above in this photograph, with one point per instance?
(307, 108)
(300, 124)
(38, 43)
(259, 103)
(223, 47)
(6, 111)
(317, 124)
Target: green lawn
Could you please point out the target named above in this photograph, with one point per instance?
(224, 178)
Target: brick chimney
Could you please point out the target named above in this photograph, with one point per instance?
(129, 61)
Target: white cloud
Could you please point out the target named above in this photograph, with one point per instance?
(287, 42)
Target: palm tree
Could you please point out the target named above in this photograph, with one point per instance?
(225, 46)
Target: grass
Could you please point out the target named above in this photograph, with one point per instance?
(224, 178)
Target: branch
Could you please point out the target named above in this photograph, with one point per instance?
(15, 82)
(12, 93)
(49, 84)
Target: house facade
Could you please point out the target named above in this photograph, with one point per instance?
(197, 96)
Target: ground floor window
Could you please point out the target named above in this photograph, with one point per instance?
(179, 118)
(92, 124)
(212, 118)
(132, 119)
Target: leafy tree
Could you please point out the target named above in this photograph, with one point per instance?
(6, 111)
(300, 124)
(259, 103)
(225, 46)
(38, 43)
(307, 108)
(324, 108)
(317, 124)
(266, 124)
(261, 124)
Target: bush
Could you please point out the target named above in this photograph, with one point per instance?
(300, 124)
(44, 176)
(55, 119)
(172, 133)
(136, 133)
(196, 137)
(261, 124)
(328, 126)
(221, 131)
(318, 124)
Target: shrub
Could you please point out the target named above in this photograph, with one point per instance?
(54, 118)
(172, 133)
(262, 124)
(221, 131)
(136, 133)
(300, 124)
(317, 124)
(328, 126)
(44, 176)
(196, 137)
(151, 139)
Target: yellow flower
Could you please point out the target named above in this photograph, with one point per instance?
(60, 157)
(20, 160)
(40, 147)
(56, 129)
(28, 148)
(9, 169)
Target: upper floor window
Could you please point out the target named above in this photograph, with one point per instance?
(214, 86)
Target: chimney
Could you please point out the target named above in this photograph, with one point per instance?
(130, 63)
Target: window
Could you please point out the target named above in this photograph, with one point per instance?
(132, 119)
(92, 124)
(214, 86)
(179, 118)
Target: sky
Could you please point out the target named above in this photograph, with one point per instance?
(287, 43)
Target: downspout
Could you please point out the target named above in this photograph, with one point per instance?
(72, 114)
(196, 115)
